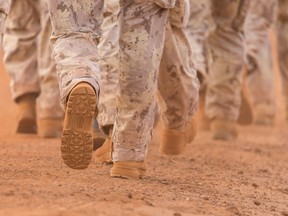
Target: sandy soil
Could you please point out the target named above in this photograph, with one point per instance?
(245, 177)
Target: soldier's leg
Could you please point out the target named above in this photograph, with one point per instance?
(50, 113)
(20, 57)
(5, 8)
(260, 75)
(198, 27)
(76, 32)
(141, 45)
(179, 90)
(108, 51)
(226, 58)
(282, 33)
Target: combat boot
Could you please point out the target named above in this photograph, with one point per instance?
(26, 117)
(50, 127)
(76, 140)
(129, 169)
(98, 136)
(224, 129)
(174, 141)
(264, 120)
(245, 111)
(103, 154)
(263, 115)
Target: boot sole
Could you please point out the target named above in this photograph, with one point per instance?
(76, 140)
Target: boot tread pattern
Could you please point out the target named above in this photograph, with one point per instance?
(76, 148)
(76, 142)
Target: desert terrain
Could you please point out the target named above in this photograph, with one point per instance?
(248, 176)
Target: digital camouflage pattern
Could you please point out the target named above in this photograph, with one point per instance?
(260, 74)
(262, 14)
(225, 59)
(162, 3)
(147, 36)
(198, 27)
(142, 52)
(4, 10)
(109, 65)
(5, 6)
(75, 37)
(27, 55)
(108, 51)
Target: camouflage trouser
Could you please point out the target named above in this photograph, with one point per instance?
(2, 26)
(5, 6)
(141, 54)
(142, 41)
(226, 59)
(282, 30)
(109, 65)
(28, 56)
(4, 10)
(75, 37)
(198, 29)
(260, 75)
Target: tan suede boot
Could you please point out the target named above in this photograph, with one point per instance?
(245, 111)
(129, 169)
(26, 117)
(174, 141)
(224, 130)
(263, 115)
(103, 154)
(263, 119)
(76, 141)
(50, 127)
(98, 136)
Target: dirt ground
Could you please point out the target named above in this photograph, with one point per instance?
(245, 177)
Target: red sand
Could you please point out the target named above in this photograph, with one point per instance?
(245, 177)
